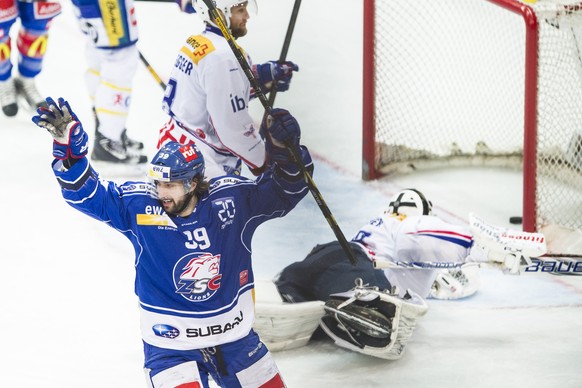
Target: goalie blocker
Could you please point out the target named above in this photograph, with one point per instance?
(372, 322)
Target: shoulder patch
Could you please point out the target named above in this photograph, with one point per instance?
(225, 181)
(197, 47)
(135, 187)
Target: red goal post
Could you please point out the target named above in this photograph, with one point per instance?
(478, 83)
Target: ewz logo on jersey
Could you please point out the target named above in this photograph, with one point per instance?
(197, 276)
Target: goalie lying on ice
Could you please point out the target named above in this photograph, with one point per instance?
(378, 316)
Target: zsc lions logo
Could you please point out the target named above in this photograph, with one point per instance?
(197, 277)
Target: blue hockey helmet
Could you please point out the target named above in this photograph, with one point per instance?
(176, 162)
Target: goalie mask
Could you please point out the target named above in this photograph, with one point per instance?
(224, 6)
(409, 202)
(372, 322)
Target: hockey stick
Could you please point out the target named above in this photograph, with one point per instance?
(422, 264)
(158, 1)
(539, 264)
(291, 148)
(152, 71)
(285, 49)
(563, 255)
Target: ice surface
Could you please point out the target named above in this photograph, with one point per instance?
(69, 317)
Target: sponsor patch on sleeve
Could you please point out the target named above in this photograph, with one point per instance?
(154, 219)
(197, 47)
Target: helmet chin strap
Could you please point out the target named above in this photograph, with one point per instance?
(225, 16)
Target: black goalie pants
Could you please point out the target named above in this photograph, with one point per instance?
(327, 270)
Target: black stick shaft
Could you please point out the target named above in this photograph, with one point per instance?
(152, 71)
(291, 148)
(285, 48)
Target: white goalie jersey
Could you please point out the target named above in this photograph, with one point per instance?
(207, 98)
(414, 238)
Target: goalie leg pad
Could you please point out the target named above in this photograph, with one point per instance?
(372, 322)
(280, 325)
(363, 319)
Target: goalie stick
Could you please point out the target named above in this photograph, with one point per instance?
(422, 264)
(291, 148)
(501, 240)
(539, 264)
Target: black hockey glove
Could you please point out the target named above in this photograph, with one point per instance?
(283, 128)
(275, 71)
(283, 133)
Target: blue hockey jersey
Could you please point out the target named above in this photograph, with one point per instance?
(194, 278)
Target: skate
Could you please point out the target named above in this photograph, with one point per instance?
(8, 97)
(130, 143)
(111, 151)
(26, 88)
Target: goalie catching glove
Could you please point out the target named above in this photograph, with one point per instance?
(70, 140)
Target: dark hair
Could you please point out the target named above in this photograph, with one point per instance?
(202, 185)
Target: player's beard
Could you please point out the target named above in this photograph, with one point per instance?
(238, 32)
(175, 207)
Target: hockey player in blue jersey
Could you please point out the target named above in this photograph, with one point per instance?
(192, 241)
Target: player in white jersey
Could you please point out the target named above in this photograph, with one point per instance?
(364, 319)
(192, 242)
(207, 95)
(112, 57)
(407, 231)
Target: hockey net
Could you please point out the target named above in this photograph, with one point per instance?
(478, 83)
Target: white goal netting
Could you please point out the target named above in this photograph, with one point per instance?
(450, 89)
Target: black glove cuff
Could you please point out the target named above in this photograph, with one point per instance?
(69, 162)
